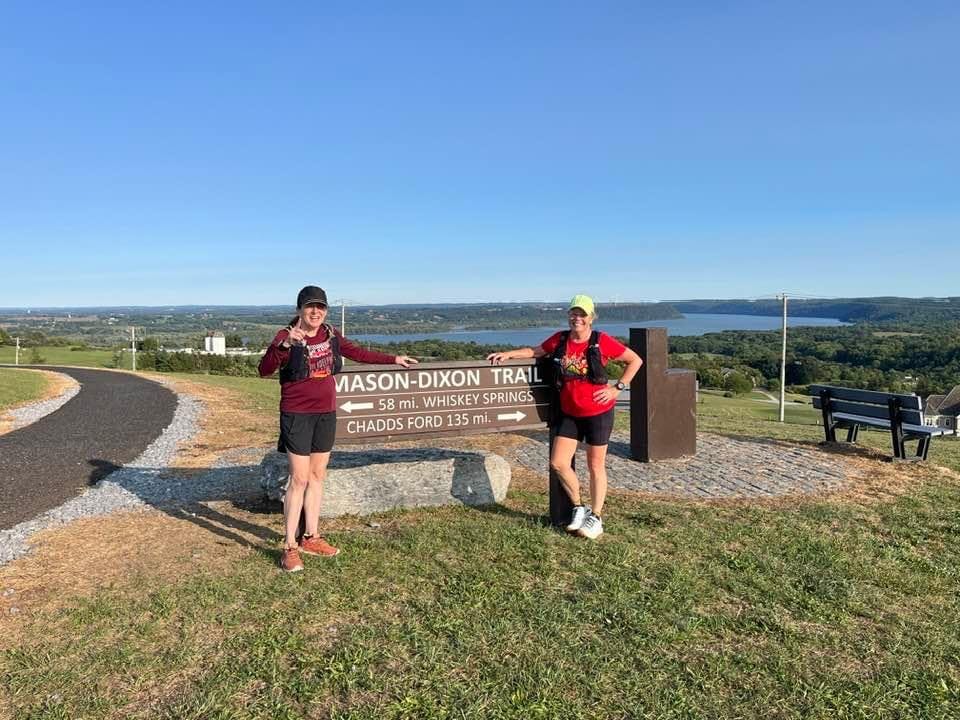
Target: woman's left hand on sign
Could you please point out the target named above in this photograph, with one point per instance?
(405, 360)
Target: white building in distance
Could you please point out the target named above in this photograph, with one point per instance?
(215, 344)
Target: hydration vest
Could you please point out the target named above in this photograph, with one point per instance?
(297, 366)
(596, 373)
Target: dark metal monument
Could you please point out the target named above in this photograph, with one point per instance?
(663, 410)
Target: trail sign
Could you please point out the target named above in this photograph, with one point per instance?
(438, 399)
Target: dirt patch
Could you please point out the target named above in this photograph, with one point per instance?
(119, 550)
(56, 384)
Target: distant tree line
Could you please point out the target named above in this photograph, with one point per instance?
(860, 356)
(892, 312)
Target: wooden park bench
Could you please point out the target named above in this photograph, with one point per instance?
(901, 414)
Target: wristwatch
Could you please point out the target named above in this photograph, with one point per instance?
(619, 385)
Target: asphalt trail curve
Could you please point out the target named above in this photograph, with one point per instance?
(110, 422)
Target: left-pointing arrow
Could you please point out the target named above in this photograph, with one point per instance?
(349, 406)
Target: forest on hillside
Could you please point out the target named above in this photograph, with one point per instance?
(862, 356)
(894, 312)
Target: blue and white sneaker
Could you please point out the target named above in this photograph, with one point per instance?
(580, 514)
(592, 527)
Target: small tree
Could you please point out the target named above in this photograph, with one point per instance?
(738, 383)
(149, 344)
(35, 357)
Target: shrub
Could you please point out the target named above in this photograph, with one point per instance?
(738, 383)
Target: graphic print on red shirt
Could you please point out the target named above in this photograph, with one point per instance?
(320, 357)
(576, 394)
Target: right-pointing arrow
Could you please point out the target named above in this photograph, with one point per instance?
(518, 416)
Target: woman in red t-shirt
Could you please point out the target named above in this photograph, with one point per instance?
(586, 406)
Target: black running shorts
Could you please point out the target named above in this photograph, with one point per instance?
(305, 433)
(593, 430)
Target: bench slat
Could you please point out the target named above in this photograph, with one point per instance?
(907, 401)
(913, 417)
(879, 422)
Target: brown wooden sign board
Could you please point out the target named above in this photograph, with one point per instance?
(387, 402)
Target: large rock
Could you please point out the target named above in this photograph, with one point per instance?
(368, 481)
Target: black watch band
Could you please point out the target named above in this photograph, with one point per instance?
(619, 385)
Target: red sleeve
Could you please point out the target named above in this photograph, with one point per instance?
(275, 355)
(550, 344)
(361, 354)
(611, 348)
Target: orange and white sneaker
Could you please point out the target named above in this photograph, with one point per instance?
(290, 560)
(316, 545)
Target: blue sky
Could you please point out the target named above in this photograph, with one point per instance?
(229, 153)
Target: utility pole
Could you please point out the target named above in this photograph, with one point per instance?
(133, 348)
(783, 356)
(16, 354)
(342, 302)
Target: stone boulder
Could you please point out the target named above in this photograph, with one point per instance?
(360, 482)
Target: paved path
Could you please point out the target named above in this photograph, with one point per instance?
(111, 421)
(722, 468)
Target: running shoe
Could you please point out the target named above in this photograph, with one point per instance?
(316, 545)
(580, 514)
(592, 527)
(290, 560)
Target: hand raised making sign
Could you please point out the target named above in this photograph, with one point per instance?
(439, 399)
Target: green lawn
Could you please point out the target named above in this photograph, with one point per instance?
(64, 356)
(814, 609)
(18, 387)
(797, 408)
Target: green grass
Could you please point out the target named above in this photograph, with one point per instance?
(64, 356)
(18, 387)
(806, 610)
(739, 409)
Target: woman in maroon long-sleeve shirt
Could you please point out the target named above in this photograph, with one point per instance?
(307, 353)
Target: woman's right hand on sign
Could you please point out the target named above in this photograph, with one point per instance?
(497, 358)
